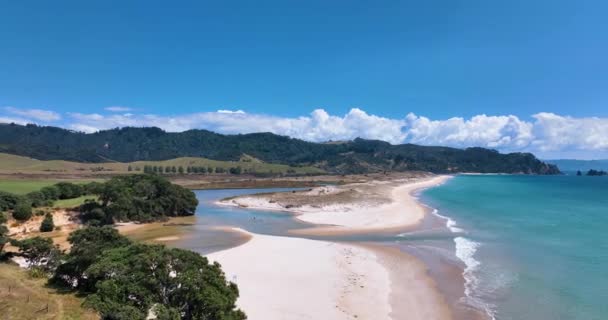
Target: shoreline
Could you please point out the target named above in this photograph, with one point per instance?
(383, 213)
(336, 280)
(413, 292)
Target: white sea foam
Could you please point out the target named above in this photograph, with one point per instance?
(450, 224)
(465, 251)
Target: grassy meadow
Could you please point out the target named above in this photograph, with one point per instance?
(12, 164)
(28, 298)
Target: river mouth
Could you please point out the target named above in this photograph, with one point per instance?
(213, 227)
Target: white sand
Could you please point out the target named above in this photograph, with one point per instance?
(283, 278)
(402, 212)
(286, 278)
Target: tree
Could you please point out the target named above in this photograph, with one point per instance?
(132, 279)
(236, 170)
(188, 169)
(130, 168)
(9, 201)
(180, 170)
(173, 169)
(69, 190)
(141, 198)
(39, 253)
(50, 192)
(47, 224)
(210, 170)
(37, 199)
(86, 245)
(23, 211)
(167, 169)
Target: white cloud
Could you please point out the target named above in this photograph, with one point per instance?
(36, 114)
(545, 134)
(230, 111)
(14, 120)
(118, 109)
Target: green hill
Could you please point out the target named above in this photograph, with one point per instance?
(357, 156)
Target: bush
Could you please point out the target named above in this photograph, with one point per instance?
(37, 199)
(23, 211)
(50, 192)
(47, 224)
(9, 201)
(69, 190)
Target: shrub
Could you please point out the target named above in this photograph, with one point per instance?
(23, 211)
(47, 224)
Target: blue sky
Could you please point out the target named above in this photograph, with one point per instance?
(284, 59)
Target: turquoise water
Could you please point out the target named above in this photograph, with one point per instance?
(535, 247)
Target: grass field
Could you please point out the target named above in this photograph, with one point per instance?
(12, 164)
(28, 298)
(25, 186)
(71, 203)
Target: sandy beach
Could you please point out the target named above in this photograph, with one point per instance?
(295, 278)
(352, 208)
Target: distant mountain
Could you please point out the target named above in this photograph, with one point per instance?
(571, 165)
(357, 156)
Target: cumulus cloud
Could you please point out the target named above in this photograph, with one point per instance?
(35, 114)
(118, 109)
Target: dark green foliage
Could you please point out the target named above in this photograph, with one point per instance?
(129, 168)
(50, 192)
(86, 245)
(141, 198)
(22, 211)
(37, 199)
(69, 190)
(124, 280)
(236, 170)
(39, 252)
(92, 188)
(180, 170)
(357, 156)
(47, 224)
(9, 201)
(140, 276)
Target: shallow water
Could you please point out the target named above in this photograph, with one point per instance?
(535, 247)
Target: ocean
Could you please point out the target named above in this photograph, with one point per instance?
(534, 247)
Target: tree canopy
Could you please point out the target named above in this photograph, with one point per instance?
(125, 280)
(141, 198)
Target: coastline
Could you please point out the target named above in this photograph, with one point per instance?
(373, 207)
(408, 287)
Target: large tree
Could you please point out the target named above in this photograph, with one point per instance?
(39, 253)
(86, 245)
(140, 277)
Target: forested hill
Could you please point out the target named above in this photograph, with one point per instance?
(358, 156)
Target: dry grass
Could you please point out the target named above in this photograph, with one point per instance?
(23, 297)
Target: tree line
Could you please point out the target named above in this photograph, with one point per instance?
(187, 170)
(358, 156)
